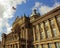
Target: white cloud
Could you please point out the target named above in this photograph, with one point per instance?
(44, 8)
(37, 5)
(6, 13)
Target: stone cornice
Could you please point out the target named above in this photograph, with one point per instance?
(50, 14)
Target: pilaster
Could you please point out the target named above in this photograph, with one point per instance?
(33, 33)
(56, 26)
(50, 31)
(43, 27)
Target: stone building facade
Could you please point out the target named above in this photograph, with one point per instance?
(0, 44)
(35, 31)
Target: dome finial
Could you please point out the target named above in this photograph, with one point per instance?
(34, 11)
(24, 14)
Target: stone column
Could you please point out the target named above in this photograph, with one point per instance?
(46, 46)
(18, 46)
(49, 28)
(33, 33)
(56, 26)
(14, 46)
(9, 46)
(57, 20)
(40, 46)
(53, 45)
(6, 46)
(21, 33)
(43, 27)
(34, 46)
(38, 32)
(3, 47)
(26, 36)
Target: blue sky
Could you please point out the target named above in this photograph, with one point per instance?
(27, 6)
